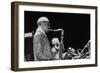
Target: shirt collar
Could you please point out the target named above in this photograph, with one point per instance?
(40, 29)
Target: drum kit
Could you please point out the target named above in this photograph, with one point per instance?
(79, 53)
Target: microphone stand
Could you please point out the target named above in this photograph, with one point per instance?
(61, 44)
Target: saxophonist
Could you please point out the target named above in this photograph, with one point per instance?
(41, 46)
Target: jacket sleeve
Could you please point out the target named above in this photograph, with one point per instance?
(38, 48)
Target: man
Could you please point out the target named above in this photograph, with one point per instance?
(41, 45)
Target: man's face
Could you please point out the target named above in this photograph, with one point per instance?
(45, 25)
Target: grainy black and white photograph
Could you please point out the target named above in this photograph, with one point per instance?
(56, 36)
(53, 36)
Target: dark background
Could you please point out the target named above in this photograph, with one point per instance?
(76, 28)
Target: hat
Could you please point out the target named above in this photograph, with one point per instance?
(42, 19)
